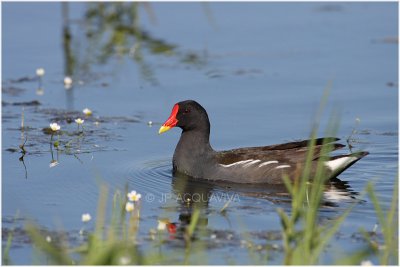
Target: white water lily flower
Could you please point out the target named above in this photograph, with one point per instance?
(48, 239)
(125, 260)
(129, 206)
(67, 81)
(55, 127)
(79, 121)
(162, 224)
(40, 72)
(366, 263)
(86, 217)
(87, 112)
(133, 196)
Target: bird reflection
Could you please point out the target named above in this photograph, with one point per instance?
(194, 194)
(191, 194)
(338, 191)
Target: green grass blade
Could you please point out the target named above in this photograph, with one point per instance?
(6, 252)
(193, 223)
(57, 254)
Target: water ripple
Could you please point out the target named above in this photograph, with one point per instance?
(150, 176)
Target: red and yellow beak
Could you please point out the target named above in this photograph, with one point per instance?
(171, 121)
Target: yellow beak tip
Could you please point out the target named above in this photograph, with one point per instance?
(163, 129)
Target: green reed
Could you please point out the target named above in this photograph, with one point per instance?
(388, 252)
(303, 237)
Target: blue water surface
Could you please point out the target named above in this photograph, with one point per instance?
(259, 69)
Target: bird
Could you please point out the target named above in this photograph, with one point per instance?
(195, 157)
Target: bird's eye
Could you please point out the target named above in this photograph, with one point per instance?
(186, 111)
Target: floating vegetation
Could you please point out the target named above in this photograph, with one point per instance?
(23, 103)
(70, 140)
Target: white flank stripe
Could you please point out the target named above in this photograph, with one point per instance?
(251, 163)
(282, 166)
(267, 162)
(236, 163)
(339, 163)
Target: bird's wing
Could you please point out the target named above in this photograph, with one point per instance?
(292, 152)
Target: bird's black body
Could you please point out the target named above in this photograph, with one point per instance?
(195, 157)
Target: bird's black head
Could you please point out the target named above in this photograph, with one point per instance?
(188, 115)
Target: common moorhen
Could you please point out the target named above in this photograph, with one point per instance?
(195, 157)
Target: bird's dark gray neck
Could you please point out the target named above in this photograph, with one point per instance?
(192, 151)
(197, 142)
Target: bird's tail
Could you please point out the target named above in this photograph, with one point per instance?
(337, 164)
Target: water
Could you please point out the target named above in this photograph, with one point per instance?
(259, 69)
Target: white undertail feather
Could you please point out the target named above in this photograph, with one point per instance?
(339, 163)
